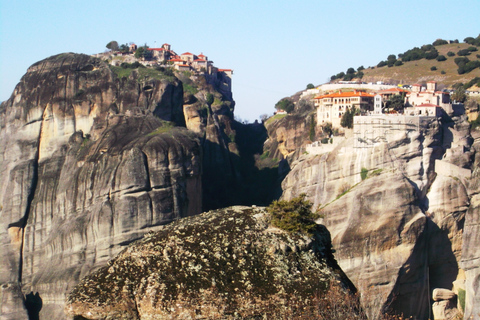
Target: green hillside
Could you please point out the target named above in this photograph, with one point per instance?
(420, 71)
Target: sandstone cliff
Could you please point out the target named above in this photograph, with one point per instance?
(226, 264)
(90, 161)
(395, 212)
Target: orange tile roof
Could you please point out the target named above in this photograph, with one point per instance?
(155, 49)
(346, 95)
(199, 60)
(176, 60)
(222, 70)
(187, 54)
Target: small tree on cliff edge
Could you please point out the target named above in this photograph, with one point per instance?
(112, 45)
(294, 216)
(285, 104)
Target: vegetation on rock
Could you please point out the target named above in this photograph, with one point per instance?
(293, 216)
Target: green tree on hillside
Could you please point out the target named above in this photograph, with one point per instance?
(459, 94)
(112, 45)
(285, 104)
(310, 86)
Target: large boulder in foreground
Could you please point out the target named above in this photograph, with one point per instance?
(221, 264)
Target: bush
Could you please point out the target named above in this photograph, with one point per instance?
(294, 216)
(398, 63)
(285, 104)
(433, 68)
(439, 42)
(450, 54)
(310, 86)
(364, 173)
(432, 54)
(443, 72)
(381, 64)
(441, 58)
(464, 52)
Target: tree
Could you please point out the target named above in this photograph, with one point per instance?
(209, 98)
(439, 42)
(396, 102)
(350, 71)
(112, 45)
(285, 104)
(310, 86)
(327, 128)
(294, 216)
(441, 58)
(459, 94)
(347, 118)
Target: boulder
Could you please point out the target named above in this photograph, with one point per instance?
(228, 263)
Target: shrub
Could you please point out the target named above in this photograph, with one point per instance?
(461, 298)
(310, 86)
(439, 42)
(441, 58)
(432, 54)
(285, 104)
(464, 52)
(381, 64)
(294, 216)
(364, 173)
(433, 68)
(450, 54)
(443, 72)
(344, 188)
(398, 63)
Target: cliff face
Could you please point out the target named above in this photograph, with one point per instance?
(88, 164)
(226, 263)
(395, 212)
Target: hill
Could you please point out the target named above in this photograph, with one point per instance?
(419, 71)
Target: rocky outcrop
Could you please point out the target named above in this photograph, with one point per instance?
(228, 263)
(395, 212)
(89, 162)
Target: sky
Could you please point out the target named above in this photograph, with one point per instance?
(275, 48)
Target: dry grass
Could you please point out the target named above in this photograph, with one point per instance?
(419, 71)
(335, 304)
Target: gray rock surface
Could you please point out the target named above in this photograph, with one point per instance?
(397, 232)
(88, 163)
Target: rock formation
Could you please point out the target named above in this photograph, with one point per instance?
(89, 162)
(395, 212)
(229, 263)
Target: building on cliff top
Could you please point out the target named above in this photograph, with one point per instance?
(331, 107)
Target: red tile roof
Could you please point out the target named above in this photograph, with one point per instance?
(155, 49)
(223, 70)
(201, 55)
(176, 60)
(200, 60)
(187, 54)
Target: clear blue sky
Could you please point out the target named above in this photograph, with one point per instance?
(274, 47)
